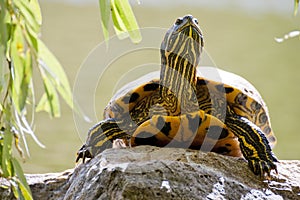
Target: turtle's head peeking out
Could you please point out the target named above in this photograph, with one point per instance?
(180, 55)
(183, 40)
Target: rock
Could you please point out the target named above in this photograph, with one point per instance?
(49, 186)
(43, 186)
(147, 172)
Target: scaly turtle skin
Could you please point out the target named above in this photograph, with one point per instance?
(208, 109)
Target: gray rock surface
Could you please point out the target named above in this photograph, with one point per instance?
(147, 172)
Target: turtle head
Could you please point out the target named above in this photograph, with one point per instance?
(180, 55)
(183, 39)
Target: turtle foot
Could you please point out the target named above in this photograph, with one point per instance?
(262, 168)
(83, 153)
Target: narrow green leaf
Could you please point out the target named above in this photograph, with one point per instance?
(3, 39)
(105, 14)
(52, 96)
(6, 154)
(51, 65)
(15, 189)
(36, 10)
(1, 144)
(26, 79)
(27, 13)
(6, 29)
(1, 165)
(31, 38)
(129, 20)
(296, 5)
(25, 193)
(3, 28)
(10, 28)
(30, 34)
(8, 115)
(43, 104)
(119, 25)
(22, 183)
(17, 56)
(2, 66)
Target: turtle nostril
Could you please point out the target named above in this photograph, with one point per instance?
(189, 17)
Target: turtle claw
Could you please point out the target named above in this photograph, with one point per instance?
(262, 168)
(83, 153)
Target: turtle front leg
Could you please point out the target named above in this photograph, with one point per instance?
(101, 137)
(254, 145)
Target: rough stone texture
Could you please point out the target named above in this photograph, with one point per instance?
(43, 186)
(147, 172)
(49, 186)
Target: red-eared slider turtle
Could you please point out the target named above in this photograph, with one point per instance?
(189, 109)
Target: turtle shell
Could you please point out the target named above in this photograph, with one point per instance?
(215, 89)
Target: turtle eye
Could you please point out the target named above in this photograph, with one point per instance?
(178, 21)
(196, 21)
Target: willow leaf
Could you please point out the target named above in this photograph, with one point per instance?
(25, 193)
(6, 154)
(15, 189)
(105, 14)
(3, 28)
(31, 38)
(51, 65)
(22, 183)
(43, 104)
(26, 79)
(27, 13)
(17, 56)
(129, 20)
(36, 11)
(52, 97)
(119, 25)
(2, 64)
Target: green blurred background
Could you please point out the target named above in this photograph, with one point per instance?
(238, 40)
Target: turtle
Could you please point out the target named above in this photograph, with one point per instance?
(186, 106)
